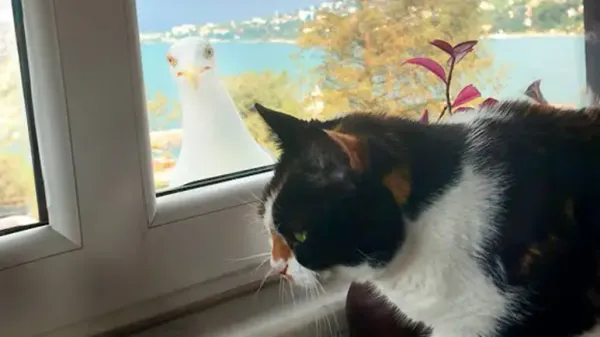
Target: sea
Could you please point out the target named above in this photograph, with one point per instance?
(558, 60)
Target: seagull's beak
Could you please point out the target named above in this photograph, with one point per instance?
(192, 75)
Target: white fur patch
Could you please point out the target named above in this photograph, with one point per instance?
(435, 278)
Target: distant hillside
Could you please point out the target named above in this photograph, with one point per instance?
(279, 26)
(499, 17)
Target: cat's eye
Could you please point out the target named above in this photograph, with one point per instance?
(300, 237)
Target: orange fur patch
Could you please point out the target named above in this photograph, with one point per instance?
(398, 182)
(530, 255)
(539, 250)
(280, 249)
(352, 146)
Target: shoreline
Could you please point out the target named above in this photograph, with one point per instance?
(501, 36)
(495, 36)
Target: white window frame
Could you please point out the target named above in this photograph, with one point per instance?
(111, 244)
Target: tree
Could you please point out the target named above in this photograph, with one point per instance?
(162, 112)
(550, 15)
(364, 50)
(275, 90)
(506, 16)
(17, 187)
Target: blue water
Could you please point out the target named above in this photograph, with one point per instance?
(232, 59)
(559, 61)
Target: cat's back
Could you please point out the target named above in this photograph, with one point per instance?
(548, 232)
(523, 136)
(524, 122)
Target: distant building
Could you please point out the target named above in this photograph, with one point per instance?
(183, 29)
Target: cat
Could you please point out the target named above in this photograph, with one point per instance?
(483, 225)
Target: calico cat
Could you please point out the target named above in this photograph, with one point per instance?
(486, 225)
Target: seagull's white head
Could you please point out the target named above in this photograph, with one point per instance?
(190, 59)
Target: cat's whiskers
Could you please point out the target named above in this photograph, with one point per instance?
(256, 196)
(319, 291)
(328, 310)
(249, 257)
(369, 258)
(253, 198)
(282, 290)
(268, 273)
(292, 292)
(260, 265)
(313, 295)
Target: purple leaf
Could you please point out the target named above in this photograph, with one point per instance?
(462, 49)
(489, 101)
(534, 92)
(430, 65)
(459, 57)
(443, 45)
(466, 95)
(424, 117)
(465, 108)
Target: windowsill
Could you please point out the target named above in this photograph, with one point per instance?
(199, 201)
(224, 307)
(269, 313)
(32, 244)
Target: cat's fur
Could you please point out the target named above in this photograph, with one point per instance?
(486, 225)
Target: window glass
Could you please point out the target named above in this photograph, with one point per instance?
(205, 66)
(18, 200)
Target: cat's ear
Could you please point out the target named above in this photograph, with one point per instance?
(289, 130)
(294, 133)
(352, 147)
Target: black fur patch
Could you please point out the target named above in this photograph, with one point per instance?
(546, 247)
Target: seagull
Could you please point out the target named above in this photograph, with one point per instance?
(215, 140)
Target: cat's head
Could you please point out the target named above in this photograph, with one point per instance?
(329, 207)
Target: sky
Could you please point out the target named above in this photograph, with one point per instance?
(160, 15)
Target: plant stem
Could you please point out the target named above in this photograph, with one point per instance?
(448, 102)
(442, 113)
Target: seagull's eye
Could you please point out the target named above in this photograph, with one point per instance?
(209, 52)
(172, 61)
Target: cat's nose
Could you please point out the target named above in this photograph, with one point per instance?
(284, 273)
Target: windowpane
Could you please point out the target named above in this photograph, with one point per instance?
(315, 59)
(18, 195)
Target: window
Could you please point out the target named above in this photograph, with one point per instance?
(22, 199)
(315, 58)
(110, 119)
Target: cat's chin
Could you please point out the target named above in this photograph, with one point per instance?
(338, 274)
(360, 273)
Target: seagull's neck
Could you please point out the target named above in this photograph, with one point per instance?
(207, 86)
(209, 95)
(215, 139)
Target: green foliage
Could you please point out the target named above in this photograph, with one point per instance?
(506, 17)
(549, 16)
(275, 90)
(16, 174)
(544, 16)
(17, 181)
(162, 112)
